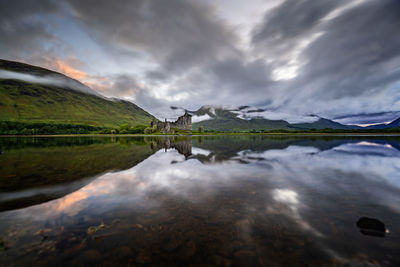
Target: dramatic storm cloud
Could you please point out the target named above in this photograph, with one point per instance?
(338, 59)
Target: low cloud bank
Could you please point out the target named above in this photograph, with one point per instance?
(54, 80)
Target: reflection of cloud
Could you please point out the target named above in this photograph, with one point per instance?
(69, 204)
(288, 180)
(286, 196)
(365, 143)
(369, 149)
(200, 151)
(290, 199)
(279, 153)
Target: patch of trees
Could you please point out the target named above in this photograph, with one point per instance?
(24, 128)
(125, 129)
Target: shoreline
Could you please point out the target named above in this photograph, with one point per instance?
(211, 134)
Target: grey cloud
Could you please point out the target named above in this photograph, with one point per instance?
(177, 34)
(236, 73)
(292, 20)
(127, 85)
(21, 32)
(368, 118)
(355, 55)
(350, 67)
(184, 47)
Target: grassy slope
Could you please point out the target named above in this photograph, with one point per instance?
(27, 102)
(26, 68)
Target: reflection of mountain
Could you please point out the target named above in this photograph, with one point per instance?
(40, 170)
(224, 148)
(213, 149)
(35, 170)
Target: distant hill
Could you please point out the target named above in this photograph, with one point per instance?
(323, 123)
(219, 119)
(247, 118)
(33, 94)
(393, 124)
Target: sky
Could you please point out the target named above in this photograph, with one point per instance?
(339, 59)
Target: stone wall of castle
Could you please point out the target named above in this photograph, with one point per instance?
(183, 123)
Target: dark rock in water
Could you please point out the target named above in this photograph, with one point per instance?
(371, 226)
(171, 245)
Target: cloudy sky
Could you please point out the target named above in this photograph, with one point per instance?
(339, 59)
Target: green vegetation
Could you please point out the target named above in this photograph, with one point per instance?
(22, 128)
(126, 129)
(34, 103)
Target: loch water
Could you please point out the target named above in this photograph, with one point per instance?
(200, 201)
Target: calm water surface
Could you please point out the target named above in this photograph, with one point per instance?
(216, 201)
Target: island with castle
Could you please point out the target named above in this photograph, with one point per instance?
(184, 122)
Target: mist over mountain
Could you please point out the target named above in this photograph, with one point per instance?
(25, 72)
(246, 118)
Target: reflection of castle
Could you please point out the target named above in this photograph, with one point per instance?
(183, 147)
(182, 123)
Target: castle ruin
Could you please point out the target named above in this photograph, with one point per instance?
(184, 122)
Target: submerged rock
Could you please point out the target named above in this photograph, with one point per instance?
(123, 252)
(244, 258)
(171, 245)
(188, 250)
(143, 257)
(91, 256)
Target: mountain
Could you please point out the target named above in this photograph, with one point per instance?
(393, 124)
(323, 123)
(220, 119)
(33, 94)
(247, 118)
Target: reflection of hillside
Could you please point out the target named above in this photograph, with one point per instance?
(37, 173)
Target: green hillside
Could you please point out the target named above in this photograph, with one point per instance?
(322, 123)
(23, 101)
(238, 125)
